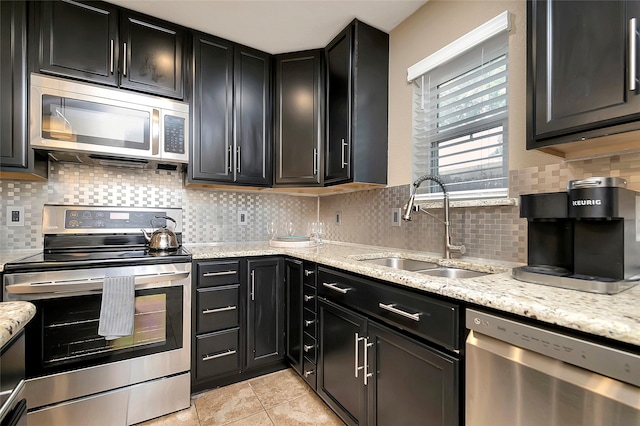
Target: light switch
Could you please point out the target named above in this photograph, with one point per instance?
(15, 215)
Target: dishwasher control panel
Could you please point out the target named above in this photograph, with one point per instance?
(611, 362)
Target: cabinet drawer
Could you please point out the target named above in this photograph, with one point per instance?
(416, 313)
(217, 308)
(309, 322)
(309, 373)
(217, 353)
(309, 273)
(218, 273)
(309, 297)
(310, 347)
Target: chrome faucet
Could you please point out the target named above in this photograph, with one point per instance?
(409, 207)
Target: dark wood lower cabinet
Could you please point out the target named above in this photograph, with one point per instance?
(371, 375)
(293, 290)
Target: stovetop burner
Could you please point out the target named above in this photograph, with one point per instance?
(88, 236)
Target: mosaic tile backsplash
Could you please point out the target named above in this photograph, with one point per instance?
(211, 216)
(208, 216)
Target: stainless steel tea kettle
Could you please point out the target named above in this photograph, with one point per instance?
(162, 238)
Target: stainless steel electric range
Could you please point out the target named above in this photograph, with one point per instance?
(74, 375)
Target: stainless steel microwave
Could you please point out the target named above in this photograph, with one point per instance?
(83, 122)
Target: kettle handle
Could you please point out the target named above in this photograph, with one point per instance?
(164, 217)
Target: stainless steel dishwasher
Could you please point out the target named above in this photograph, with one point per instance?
(521, 375)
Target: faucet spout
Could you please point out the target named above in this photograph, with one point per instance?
(409, 207)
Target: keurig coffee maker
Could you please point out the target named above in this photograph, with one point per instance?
(584, 239)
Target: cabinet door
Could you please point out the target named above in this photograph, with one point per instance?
(151, 55)
(298, 118)
(579, 53)
(252, 105)
(293, 289)
(338, 143)
(265, 323)
(341, 356)
(79, 40)
(407, 374)
(212, 108)
(13, 84)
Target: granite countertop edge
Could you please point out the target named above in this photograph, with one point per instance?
(13, 317)
(612, 316)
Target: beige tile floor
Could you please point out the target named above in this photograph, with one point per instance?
(277, 399)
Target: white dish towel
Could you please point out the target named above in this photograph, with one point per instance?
(117, 308)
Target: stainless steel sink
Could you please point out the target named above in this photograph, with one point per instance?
(452, 273)
(400, 263)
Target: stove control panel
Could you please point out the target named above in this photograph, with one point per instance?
(59, 219)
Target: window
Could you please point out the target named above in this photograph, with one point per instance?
(460, 121)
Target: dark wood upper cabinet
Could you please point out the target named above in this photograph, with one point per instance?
(152, 55)
(17, 161)
(298, 118)
(580, 64)
(357, 64)
(102, 43)
(212, 110)
(231, 114)
(252, 116)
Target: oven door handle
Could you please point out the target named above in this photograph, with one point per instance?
(78, 286)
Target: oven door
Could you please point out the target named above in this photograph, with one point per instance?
(65, 356)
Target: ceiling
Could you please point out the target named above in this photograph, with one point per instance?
(276, 26)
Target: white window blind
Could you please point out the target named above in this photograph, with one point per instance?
(460, 123)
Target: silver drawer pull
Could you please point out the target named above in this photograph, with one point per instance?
(210, 357)
(218, 274)
(215, 311)
(334, 287)
(308, 373)
(307, 323)
(307, 348)
(308, 272)
(308, 298)
(391, 308)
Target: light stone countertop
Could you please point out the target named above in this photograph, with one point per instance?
(613, 316)
(13, 317)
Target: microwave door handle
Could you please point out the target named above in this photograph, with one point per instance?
(155, 132)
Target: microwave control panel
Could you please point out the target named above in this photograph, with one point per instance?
(174, 131)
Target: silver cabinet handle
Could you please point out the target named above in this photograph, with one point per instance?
(218, 274)
(238, 159)
(308, 373)
(307, 348)
(366, 374)
(308, 298)
(315, 161)
(344, 144)
(357, 343)
(210, 357)
(111, 56)
(253, 284)
(632, 54)
(307, 323)
(334, 287)
(230, 166)
(391, 308)
(215, 311)
(124, 60)
(308, 272)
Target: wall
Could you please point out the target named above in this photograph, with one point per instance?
(208, 216)
(430, 28)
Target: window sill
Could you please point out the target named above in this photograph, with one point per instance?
(489, 202)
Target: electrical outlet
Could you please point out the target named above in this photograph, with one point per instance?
(15, 215)
(338, 218)
(243, 217)
(396, 214)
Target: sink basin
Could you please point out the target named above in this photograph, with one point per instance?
(452, 273)
(400, 263)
